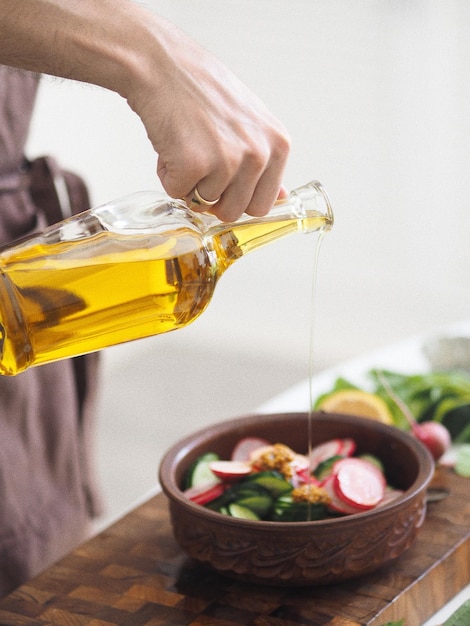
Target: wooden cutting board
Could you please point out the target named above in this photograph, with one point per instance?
(135, 574)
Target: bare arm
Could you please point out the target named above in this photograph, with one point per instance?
(207, 128)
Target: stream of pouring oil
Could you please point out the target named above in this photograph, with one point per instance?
(312, 351)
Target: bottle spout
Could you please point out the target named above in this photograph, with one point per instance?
(311, 200)
(308, 206)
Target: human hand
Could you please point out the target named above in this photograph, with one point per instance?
(209, 131)
(213, 136)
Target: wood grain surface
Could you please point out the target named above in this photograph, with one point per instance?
(135, 574)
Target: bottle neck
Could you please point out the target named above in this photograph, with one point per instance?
(306, 209)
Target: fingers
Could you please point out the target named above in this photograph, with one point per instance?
(196, 200)
(250, 184)
(252, 192)
(230, 204)
(237, 198)
(212, 135)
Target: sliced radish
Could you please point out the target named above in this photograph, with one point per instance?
(301, 468)
(359, 483)
(205, 493)
(336, 504)
(324, 451)
(303, 477)
(257, 452)
(243, 449)
(390, 495)
(300, 463)
(349, 447)
(230, 470)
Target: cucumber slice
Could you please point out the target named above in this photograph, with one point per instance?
(274, 482)
(241, 512)
(219, 503)
(200, 473)
(285, 510)
(246, 489)
(374, 460)
(258, 504)
(324, 468)
(241, 491)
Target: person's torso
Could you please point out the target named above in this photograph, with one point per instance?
(17, 95)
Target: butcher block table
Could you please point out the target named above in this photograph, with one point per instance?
(134, 574)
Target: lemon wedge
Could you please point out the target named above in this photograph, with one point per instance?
(357, 402)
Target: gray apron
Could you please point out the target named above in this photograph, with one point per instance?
(47, 491)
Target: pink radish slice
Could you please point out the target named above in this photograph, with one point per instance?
(303, 477)
(359, 483)
(336, 504)
(243, 449)
(390, 495)
(230, 470)
(300, 463)
(349, 447)
(301, 468)
(257, 452)
(205, 493)
(324, 451)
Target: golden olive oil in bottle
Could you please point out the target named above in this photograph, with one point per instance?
(136, 267)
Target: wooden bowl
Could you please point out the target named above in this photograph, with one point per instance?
(300, 553)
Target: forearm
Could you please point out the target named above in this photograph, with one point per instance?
(207, 128)
(91, 41)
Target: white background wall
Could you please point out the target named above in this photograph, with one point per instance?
(375, 95)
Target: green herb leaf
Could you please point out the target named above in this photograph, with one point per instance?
(461, 617)
(439, 396)
(462, 466)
